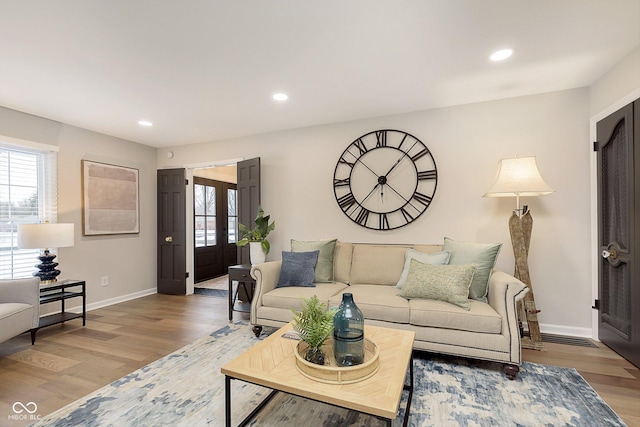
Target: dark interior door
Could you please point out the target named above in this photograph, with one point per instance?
(171, 234)
(618, 148)
(214, 227)
(248, 199)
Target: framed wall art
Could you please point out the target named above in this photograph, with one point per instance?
(110, 199)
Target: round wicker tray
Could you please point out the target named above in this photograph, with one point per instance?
(330, 372)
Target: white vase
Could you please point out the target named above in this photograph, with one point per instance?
(256, 254)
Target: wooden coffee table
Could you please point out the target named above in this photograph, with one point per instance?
(271, 363)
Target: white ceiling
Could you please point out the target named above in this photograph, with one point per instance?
(205, 70)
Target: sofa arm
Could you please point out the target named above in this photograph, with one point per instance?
(503, 285)
(26, 291)
(504, 293)
(266, 276)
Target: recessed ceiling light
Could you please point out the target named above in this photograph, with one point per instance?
(501, 54)
(280, 96)
(145, 123)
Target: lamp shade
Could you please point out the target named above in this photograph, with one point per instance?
(518, 177)
(37, 236)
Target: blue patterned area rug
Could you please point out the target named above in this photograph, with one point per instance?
(186, 388)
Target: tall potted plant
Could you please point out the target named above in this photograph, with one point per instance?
(257, 237)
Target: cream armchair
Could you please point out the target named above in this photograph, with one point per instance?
(19, 307)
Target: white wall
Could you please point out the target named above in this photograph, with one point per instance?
(128, 260)
(615, 85)
(467, 143)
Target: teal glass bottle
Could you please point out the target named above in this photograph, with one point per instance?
(348, 333)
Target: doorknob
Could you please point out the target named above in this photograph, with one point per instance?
(168, 239)
(609, 254)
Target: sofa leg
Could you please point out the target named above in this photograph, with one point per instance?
(257, 330)
(511, 371)
(33, 336)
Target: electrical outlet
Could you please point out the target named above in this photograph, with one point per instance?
(104, 281)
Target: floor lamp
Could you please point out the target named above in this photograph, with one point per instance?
(519, 177)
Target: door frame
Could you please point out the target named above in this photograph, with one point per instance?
(595, 247)
(189, 212)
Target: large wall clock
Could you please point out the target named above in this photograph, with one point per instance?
(385, 179)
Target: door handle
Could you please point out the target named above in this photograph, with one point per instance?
(609, 254)
(168, 239)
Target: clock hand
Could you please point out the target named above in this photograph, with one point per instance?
(400, 159)
(369, 195)
(402, 197)
(359, 159)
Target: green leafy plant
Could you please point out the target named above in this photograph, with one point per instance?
(259, 233)
(314, 324)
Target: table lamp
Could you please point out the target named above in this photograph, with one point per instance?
(520, 177)
(45, 236)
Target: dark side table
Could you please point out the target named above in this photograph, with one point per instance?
(241, 274)
(60, 292)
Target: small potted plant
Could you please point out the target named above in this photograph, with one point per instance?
(314, 324)
(257, 237)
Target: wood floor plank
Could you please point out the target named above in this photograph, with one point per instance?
(69, 361)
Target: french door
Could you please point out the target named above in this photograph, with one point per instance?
(618, 151)
(215, 227)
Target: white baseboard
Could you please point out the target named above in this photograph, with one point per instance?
(111, 301)
(568, 331)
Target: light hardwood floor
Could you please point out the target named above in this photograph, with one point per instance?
(69, 361)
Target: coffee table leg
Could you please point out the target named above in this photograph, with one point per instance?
(230, 300)
(410, 389)
(227, 401)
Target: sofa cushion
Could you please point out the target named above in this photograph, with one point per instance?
(324, 266)
(377, 264)
(436, 258)
(427, 249)
(8, 309)
(376, 302)
(291, 297)
(342, 262)
(479, 254)
(448, 283)
(298, 269)
(481, 317)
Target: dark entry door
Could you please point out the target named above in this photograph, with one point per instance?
(248, 199)
(171, 234)
(618, 148)
(215, 225)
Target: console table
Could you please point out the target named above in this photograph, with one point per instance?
(241, 274)
(62, 291)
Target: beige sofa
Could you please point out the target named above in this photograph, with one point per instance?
(19, 307)
(488, 331)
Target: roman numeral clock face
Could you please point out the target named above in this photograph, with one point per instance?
(385, 179)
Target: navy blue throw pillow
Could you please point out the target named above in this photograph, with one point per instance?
(298, 269)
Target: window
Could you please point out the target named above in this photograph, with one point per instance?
(205, 215)
(232, 214)
(27, 195)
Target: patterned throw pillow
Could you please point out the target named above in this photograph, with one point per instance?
(438, 258)
(297, 269)
(448, 283)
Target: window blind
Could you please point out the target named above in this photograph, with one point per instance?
(28, 194)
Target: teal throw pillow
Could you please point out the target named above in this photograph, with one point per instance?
(297, 269)
(324, 267)
(448, 283)
(438, 258)
(482, 255)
